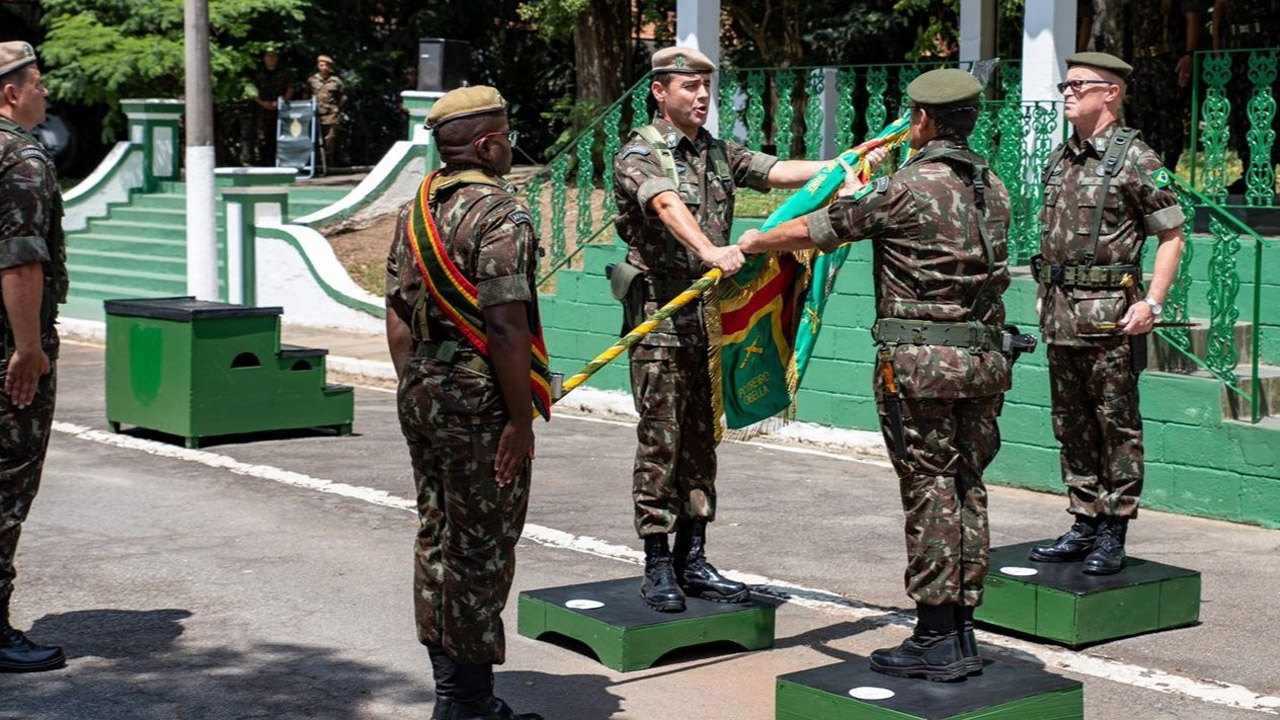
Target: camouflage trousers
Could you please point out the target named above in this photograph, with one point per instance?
(329, 143)
(468, 527)
(1099, 429)
(24, 438)
(675, 469)
(949, 445)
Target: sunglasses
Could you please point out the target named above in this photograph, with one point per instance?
(511, 135)
(1078, 85)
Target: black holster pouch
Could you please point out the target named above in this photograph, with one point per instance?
(1138, 353)
(627, 283)
(1014, 343)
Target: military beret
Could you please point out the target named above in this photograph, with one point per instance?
(15, 56)
(682, 60)
(944, 87)
(326, 58)
(1102, 61)
(464, 102)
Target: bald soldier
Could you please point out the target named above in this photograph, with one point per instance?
(1105, 191)
(938, 229)
(464, 335)
(33, 280)
(674, 184)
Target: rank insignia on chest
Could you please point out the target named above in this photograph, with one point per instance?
(1161, 178)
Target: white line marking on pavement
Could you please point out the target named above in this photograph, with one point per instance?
(1080, 663)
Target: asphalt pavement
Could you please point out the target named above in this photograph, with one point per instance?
(270, 577)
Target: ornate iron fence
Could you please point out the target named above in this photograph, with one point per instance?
(1246, 78)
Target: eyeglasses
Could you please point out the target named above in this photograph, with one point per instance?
(511, 135)
(1077, 85)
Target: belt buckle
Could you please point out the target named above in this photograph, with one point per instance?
(1057, 275)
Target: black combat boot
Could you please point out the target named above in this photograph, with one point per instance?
(1108, 555)
(473, 697)
(17, 652)
(697, 577)
(932, 652)
(1074, 545)
(443, 669)
(660, 590)
(968, 641)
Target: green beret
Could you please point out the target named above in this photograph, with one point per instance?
(465, 102)
(15, 56)
(944, 87)
(682, 60)
(1101, 61)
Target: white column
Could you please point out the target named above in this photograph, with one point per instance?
(1049, 36)
(698, 27)
(977, 30)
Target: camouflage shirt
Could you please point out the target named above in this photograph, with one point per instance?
(31, 219)
(273, 84)
(1139, 203)
(709, 170)
(329, 96)
(930, 265)
(490, 238)
(1160, 26)
(1251, 24)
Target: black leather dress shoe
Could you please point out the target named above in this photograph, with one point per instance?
(1072, 546)
(18, 654)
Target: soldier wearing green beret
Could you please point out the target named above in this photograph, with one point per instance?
(1105, 191)
(674, 184)
(938, 229)
(33, 281)
(464, 335)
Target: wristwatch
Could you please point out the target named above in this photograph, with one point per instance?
(1156, 308)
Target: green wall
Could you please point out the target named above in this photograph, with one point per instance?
(1197, 463)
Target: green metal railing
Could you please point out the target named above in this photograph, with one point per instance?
(1222, 295)
(1219, 79)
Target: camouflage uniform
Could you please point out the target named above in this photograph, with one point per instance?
(452, 415)
(330, 96)
(30, 231)
(1093, 373)
(930, 267)
(1156, 105)
(675, 466)
(1249, 24)
(271, 85)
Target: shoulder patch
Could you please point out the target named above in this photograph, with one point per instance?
(1161, 178)
(879, 186)
(33, 153)
(520, 216)
(636, 150)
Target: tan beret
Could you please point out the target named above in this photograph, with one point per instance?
(682, 60)
(1102, 61)
(948, 86)
(15, 56)
(465, 102)
(327, 59)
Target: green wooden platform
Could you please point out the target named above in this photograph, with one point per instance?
(1058, 602)
(1001, 692)
(610, 618)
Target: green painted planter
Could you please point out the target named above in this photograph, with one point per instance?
(626, 635)
(1001, 692)
(198, 369)
(1062, 604)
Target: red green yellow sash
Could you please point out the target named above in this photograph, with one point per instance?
(457, 296)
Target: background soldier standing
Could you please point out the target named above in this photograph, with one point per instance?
(33, 280)
(330, 96)
(464, 363)
(1165, 36)
(938, 226)
(674, 185)
(272, 83)
(1105, 191)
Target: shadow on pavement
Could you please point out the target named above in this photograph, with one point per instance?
(128, 665)
(559, 697)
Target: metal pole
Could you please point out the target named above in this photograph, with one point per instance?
(202, 226)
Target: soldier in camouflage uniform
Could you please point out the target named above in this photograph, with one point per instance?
(466, 412)
(938, 226)
(674, 184)
(272, 83)
(330, 96)
(1105, 192)
(1165, 34)
(33, 280)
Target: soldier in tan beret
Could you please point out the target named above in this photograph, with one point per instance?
(33, 280)
(675, 184)
(464, 335)
(330, 96)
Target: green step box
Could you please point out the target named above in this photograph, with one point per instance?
(198, 369)
(852, 691)
(612, 620)
(1058, 602)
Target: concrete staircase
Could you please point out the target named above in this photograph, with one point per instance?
(1165, 358)
(139, 249)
